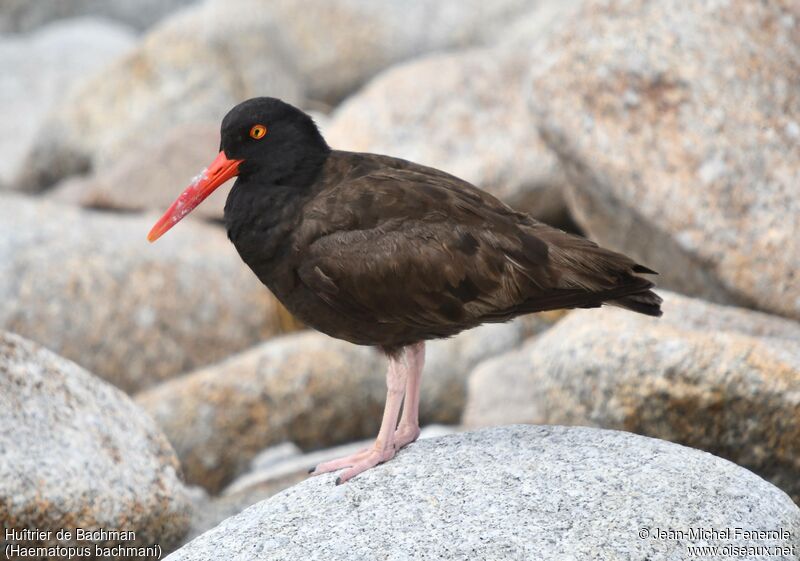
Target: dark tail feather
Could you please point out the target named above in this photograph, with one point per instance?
(644, 270)
(590, 276)
(634, 295)
(648, 303)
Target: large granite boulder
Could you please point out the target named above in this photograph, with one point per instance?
(89, 286)
(338, 46)
(157, 173)
(23, 15)
(470, 119)
(512, 493)
(201, 61)
(272, 471)
(193, 67)
(309, 389)
(41, 68)
(448, 362)
(679, 126)
(76, 452)
(306, 388)
(721, 379)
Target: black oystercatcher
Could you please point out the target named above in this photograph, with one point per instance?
(385, 252)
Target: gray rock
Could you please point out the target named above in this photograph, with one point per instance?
(338, 46)
(309, 389)
(513, 493)
(77, 453)
(89, 286)
(449, 361)
(151, 178)
(536, 24)
(306, 388)
(275, 455)
(198, 63)
(470, 119)
(678, 127)
(299, 464)
(720, 379)
(158, 172)
(193, 67)
(24, 15)
(207, 512)
(42, 67)
(262, 482)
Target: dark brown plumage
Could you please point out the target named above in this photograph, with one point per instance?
(384, 252)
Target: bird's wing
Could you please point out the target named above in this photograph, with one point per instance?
(407, 244)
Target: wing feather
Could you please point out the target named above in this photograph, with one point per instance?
(406, 244)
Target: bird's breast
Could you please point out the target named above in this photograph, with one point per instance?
(261, 223)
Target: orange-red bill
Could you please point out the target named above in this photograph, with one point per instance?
(220, 171)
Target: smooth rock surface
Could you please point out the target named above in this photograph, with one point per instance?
(309, 389)
(448, 362)
(41, 68)
(338, 46)
(511, 493)
(470, 119)
(89, 286)
(263, 481)
(77, 453)
(198, 63)
(306, 388)
(159, 173)
(679, 127)
(533, 27)
(716, 378)
(23, 15)
(193, 67)
(297, 463)
(151, 178)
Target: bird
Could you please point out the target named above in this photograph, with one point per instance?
(385, 252)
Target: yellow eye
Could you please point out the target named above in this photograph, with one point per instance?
(258, 132)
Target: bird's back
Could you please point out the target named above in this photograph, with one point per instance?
(406, 253)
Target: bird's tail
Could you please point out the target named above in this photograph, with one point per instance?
(601, 275)
(646, 302)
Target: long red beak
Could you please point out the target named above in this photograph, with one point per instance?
(220, 171)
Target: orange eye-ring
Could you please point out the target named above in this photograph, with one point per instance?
(258, 132)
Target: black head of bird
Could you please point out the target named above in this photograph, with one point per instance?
(263, 140)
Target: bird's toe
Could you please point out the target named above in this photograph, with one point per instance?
(372, 459)
(339, 463)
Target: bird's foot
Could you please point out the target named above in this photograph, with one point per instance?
(405, 435)
(357, 463)
(339, 463)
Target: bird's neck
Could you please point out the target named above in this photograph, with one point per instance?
(261, 213)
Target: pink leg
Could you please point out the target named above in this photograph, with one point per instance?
(384, 447)
(408, 429)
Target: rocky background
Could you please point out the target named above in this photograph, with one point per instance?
(162, 389)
